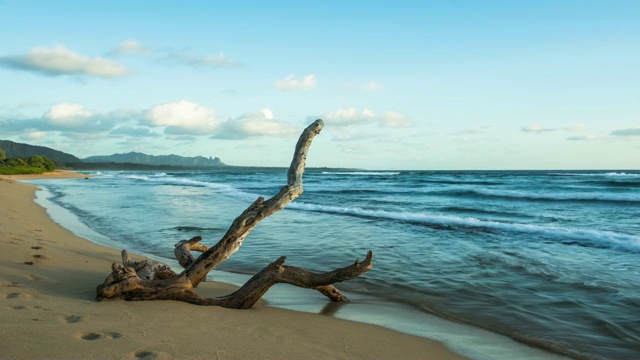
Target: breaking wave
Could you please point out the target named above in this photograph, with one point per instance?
(541, 196)
(365, 173)
(607, 174)
(570, 236)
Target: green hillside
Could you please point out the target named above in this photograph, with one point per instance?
(20, 150)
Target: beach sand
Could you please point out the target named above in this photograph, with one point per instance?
(48, 278)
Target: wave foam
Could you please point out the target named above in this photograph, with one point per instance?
(527, 195)
(588, 237)
(362, 173)
(165, 180)
(608, 174)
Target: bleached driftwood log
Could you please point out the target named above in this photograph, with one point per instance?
(155, 281)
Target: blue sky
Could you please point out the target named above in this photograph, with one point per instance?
(400, 85)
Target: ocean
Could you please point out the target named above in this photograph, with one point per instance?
(548, 258)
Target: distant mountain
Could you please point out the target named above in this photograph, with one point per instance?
(14, 150)
(153, 160)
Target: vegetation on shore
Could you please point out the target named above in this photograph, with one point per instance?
(34, 164)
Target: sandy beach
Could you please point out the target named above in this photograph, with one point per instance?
(48, 278)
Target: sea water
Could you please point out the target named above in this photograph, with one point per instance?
(549, 258)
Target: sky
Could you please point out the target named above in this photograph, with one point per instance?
(424, 85)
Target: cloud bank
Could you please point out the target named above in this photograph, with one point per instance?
(352, 116)
(59, 60)
(174, 120)
(626, 132)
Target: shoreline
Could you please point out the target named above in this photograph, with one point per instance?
(48, 277)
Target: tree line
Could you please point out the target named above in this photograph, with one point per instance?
(35, 164)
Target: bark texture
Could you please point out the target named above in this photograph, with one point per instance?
(147, 280)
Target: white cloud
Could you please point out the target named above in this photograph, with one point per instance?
(290, 83)
(220, 60)
(349, 116)
(576, 128)
(211, 61)
(255, 124)
(74, 118)
(34, 135)
(626, 132)
(372, 86)
(183, 117)
(66, 114)
(268, 114)
(59, 60)
(585, 137)
(536, 129)
(130, 47)
(352, 116)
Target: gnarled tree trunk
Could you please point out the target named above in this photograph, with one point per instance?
(155, 281)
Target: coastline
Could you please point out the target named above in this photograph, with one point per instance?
(57, 174)
(47, 281)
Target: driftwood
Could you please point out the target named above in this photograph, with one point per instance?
(155, 281)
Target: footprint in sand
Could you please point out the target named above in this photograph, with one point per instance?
(72, 319)
(149, 355)
(37, 248)
(19, 307)
(42, 308)
(41, 257)
(95, 336)
(18, 296)
(89, 336)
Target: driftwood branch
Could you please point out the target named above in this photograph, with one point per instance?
(183, 248)
(146, 280)
(148, 269)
